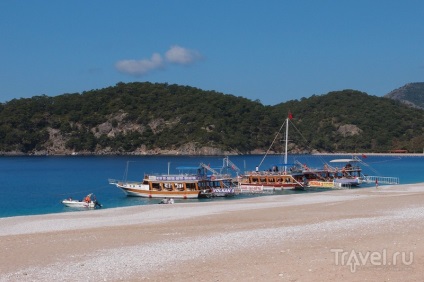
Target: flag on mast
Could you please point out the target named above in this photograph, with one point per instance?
(290, 115)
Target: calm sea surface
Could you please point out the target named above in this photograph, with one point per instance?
(36, 185)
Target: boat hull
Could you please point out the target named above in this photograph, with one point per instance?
(146, 193)
(266, 187)
(321, 184)
(250, 189)
(349, 181)
(223, 192)
(337, 183)
(79, 204)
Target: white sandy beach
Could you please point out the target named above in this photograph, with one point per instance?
(351, 235)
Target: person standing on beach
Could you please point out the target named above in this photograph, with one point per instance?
(376, 183)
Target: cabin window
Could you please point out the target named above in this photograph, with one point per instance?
(215, 184)
(156, 186)
(179, 186)
(191, 186)
(168, 186)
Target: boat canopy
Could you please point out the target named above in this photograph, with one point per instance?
(187, 167)
(344, 161)
(193, 167)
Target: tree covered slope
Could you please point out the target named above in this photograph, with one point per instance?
(152, 118)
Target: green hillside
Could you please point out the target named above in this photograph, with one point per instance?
(354, 121)
(148, 118)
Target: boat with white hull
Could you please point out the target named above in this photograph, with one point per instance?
(89, 201)
(179, 186)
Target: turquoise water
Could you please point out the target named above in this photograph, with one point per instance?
(36, 185)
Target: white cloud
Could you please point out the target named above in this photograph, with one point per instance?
(175, 55)
(140, 67)
(179, 55)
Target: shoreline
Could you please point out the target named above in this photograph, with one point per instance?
(6, 223)
(18, 154)
(273, 238)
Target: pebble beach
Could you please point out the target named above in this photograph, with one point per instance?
(368, 234)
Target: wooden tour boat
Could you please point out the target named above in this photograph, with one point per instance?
(179, 186)
(280, 176)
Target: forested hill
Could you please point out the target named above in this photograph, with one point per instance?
(147, 118)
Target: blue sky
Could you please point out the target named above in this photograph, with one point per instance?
(273, 51)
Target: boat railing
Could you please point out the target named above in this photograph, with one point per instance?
(329, 168)
(266, 173)
(219, 176)
(122, 182)
(174, 177)
(229, 184)
(382, 179)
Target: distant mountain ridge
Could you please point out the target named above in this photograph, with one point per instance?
(411, 94)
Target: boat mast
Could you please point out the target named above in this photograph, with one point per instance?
(275, 138)
(126, 172)
(287, 141)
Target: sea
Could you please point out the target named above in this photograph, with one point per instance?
(34, 185)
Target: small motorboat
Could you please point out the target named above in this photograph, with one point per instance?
(89, 201)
